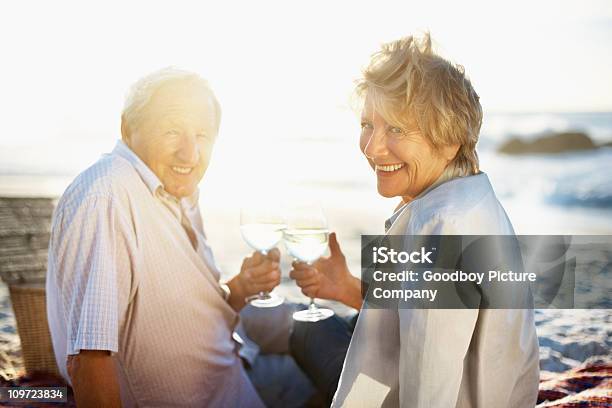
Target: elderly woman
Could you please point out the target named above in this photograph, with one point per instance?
(419, 127)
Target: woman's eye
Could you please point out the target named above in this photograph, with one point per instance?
(365, 125)
(201, 136)
(396, 130)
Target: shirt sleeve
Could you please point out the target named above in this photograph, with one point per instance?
(90, 252)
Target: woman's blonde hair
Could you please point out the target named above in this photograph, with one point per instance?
(408, 83)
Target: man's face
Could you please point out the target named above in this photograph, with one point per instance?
(176, 135)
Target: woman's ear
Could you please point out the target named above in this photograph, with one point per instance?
(450, 151)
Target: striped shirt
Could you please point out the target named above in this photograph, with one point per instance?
(123, 276)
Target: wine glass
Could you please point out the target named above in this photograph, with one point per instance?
(306, 239)
(262, 228)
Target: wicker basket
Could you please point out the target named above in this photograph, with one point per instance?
(29, 304)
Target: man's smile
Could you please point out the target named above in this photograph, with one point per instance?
(182, 170)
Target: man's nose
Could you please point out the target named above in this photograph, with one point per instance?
(188, 151)
(376, 145)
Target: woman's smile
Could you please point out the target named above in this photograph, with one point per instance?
(389, 168)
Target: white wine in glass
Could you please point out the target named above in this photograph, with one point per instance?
(306, 239)
(262, 229)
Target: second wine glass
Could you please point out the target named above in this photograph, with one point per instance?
(306, 240)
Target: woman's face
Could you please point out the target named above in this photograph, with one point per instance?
(404, 162)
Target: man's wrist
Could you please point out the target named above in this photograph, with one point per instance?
(237, 296)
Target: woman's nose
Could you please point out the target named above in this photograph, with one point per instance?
(376, 145)
(188, 151)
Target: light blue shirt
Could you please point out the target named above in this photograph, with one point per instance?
(439, 358)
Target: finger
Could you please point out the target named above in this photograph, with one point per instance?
(271, 280)
(274, 255)
(299, 264)
(302, 273)
(251, 261)
(273, 274)
(302, 283)
(257, 258)
(266, 286)
(311, 291)
(260, 272)
(334, 246)
(247, 261)
(262, 269)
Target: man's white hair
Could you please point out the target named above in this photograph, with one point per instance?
(143, 90)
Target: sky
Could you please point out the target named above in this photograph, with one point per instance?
(283, 69)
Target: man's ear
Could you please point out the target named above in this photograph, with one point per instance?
(125, 130)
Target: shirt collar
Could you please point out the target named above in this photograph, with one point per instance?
(447, 175)
(148, 177)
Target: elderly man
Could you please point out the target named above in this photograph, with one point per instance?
(137, 313)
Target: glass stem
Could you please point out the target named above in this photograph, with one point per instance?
(312, 307)
(262, 294)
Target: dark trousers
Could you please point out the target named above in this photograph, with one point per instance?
(320, 348)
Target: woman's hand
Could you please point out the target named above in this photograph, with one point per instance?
(258, 273)
(328, 278)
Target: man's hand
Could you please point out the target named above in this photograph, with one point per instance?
(329, 278)
(94, 379)
(259, 273)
